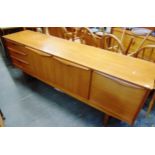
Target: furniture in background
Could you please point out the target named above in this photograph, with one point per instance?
(88, 37)
(135, 41)
(61, 32)
(112, 43)
(115, 84)
(150, 28)
(37, 29)
(147, 52)
(9, 30)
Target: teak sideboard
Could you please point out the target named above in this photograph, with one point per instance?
(115, 84)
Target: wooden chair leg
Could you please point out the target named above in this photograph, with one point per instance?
(152, 102)
(106, 119)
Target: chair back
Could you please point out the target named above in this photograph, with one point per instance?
(146, 53)
(87, 37)
(112, 43)
(58, 32)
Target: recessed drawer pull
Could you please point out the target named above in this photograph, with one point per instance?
(39, 52)
(13, 50)
(70, 63)
(121, 82)
(22, 61)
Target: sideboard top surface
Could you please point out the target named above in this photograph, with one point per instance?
(127, 68)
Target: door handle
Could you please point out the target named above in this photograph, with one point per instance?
(70, 63)
(38, 52)
(16, 51)
(121, 82)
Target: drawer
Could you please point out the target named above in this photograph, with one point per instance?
(22, 64)
(15, 46)
(121, 99)
(72, 77)
(18, 54)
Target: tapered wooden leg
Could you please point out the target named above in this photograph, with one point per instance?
(106, 119)
(1, 119)
(1, 114)
(151, 105)
(1, 122)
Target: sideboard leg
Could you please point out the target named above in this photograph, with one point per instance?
(1, 119)
(106, 119)
(2, 115)
(152, 102)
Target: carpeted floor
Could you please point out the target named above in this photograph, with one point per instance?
(26, 101)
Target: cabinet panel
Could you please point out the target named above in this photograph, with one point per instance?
(72, 77)
(118, 97)
(42, 64)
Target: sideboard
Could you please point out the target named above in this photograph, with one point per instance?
(115, 84)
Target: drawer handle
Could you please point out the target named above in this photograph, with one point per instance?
(22, 61)
(124, 83)
(38, 52)
(13, 50)
(71, 64)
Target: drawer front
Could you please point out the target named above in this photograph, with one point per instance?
(22, 64)
(12, 46)
(72, 77)
(120, 98)
(18, 54)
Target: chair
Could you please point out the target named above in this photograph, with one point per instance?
(112, 43)
(61, 32)
(30, 28)
(129, 38)
(87, 37)
(146, 53)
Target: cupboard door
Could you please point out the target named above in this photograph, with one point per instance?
(121, 99)
(72, 77)
(42, 65)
